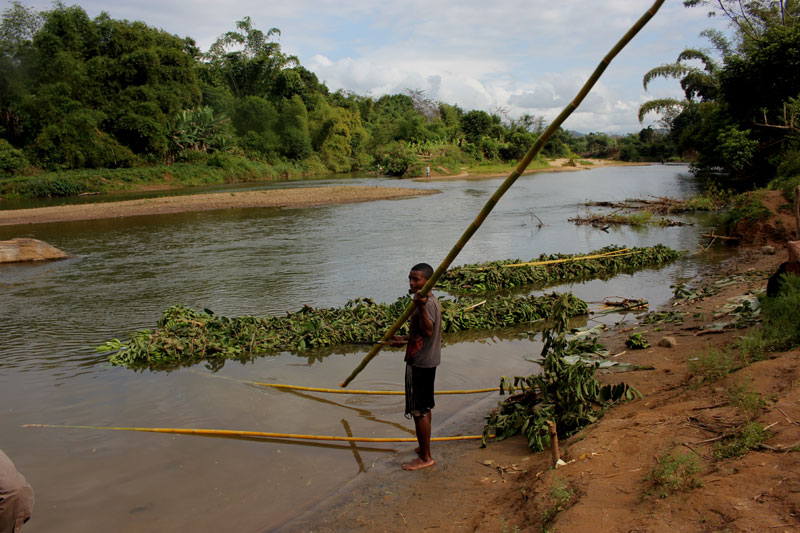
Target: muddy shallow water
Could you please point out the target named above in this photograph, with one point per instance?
(265, 261)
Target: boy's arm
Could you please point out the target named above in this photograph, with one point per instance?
(398, 340)
(425, 320)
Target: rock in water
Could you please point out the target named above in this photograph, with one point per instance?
(17, 250)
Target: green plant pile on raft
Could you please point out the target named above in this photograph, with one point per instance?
(187, 335)
(496, 275)
(566, 394)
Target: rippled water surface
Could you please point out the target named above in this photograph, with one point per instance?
(264, 261)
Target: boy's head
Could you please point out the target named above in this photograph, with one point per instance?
(419, 276)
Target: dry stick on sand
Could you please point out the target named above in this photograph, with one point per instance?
(509, 181)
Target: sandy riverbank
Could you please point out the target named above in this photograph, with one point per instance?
(603, 487)
(294, 197)
(556, 165)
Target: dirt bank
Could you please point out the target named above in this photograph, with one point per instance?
(296, 197)
(506, 488)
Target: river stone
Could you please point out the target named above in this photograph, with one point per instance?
(668, 342)
(768, 250)
(20, 249)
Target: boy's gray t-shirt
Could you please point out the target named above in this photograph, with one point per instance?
(429, 355)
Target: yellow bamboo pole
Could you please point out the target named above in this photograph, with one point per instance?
(507, 183)
(264, 434)
(374, 392)
(607, 255)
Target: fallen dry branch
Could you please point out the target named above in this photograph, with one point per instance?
(645, 218)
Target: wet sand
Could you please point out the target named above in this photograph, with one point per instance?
(295, 197)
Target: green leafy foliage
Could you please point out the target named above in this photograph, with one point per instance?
(748, 437)
(742, 395)
(99, 93)
(637, 342)
(673, 472)
(712, 364)
(495, 275)
(560, 496)
(746, 207)
(738, 115)
(185, 336)
(566, 394)
(778, 329)
(12, 160)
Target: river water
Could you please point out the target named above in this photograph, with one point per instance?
(265, 261)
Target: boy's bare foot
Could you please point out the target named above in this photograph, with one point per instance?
(418, 463)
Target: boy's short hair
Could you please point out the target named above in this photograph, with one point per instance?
(423, 268)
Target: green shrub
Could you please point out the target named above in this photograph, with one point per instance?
(749, 401)
(52, 186)
(192, 157)
(712, 364)
(781, 315)
(637, 342)
(749, 437)
(746, 207)
(77, 141)
(786, 185)
(790, 166)
(12, 160)
(395, 158)
(673, 472)
(560, 497)
(700, 203)
(755, 346)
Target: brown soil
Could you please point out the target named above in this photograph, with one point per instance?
(297, 197)
(504, 487)
(556, 165)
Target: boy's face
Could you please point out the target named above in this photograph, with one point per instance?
(416, 281)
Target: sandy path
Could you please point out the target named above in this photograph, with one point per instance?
(297, 197)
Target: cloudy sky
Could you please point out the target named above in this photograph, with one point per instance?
(527, 56)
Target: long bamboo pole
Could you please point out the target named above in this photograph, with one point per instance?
(373, 392)
(509, 181)
(264, 434)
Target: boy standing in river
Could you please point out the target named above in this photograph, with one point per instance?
(423, 353)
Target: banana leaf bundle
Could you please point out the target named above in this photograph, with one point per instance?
(185, 335)
(557, 269)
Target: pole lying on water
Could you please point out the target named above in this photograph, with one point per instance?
(372, 392)
(509, 181)
(263, 434)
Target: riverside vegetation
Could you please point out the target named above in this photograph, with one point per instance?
(565, 394)
(102, 104)
(556, 268)
(186, 335)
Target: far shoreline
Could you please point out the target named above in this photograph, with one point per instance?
(278, 198)
(556, 165)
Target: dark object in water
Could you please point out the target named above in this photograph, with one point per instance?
(774, 282)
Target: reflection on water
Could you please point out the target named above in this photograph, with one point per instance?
(258, 262)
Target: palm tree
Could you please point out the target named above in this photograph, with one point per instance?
(699, 84)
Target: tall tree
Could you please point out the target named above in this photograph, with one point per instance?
(248, 60)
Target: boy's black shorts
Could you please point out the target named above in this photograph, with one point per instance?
(419, 390)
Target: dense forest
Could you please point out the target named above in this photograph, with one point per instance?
(741, 113)
(112, 98)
